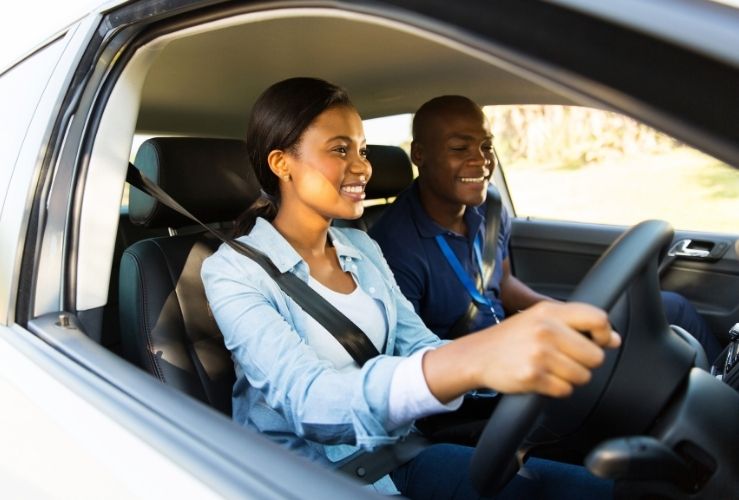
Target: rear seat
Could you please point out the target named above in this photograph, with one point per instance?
(391, 173)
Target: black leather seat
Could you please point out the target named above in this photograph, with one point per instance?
(391, 173)
(166, 326)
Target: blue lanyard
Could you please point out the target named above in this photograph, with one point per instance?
(477, 297)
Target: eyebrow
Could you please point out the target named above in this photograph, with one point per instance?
(345, 138)
(468, 137)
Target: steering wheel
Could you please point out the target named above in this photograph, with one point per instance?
(631, 258)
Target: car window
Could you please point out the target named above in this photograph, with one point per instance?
(586, 165)
(394, 130)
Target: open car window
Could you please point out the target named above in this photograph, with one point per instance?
(582, 164)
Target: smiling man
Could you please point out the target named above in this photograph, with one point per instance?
(432, 234)
(443, 211)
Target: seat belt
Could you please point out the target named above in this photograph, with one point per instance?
(349, 335)
(493, 207)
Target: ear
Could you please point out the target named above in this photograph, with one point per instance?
(277, 162)
(417, 154)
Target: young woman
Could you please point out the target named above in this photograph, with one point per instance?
(297, 385)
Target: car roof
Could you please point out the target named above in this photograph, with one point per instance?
(386, 68)
(205, 78)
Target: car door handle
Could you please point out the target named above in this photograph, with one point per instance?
(698, 249)
(682, 249)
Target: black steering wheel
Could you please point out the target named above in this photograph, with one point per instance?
(630, 262)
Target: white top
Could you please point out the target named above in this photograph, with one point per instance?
(410, 397)
(363, 310)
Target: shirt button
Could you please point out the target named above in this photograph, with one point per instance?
(348, 259)
(371, 289)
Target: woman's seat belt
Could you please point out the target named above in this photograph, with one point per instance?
(349, 335)
(366, 467)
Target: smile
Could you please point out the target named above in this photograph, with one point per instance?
(353, 189)
(354, 192)
(471, 180)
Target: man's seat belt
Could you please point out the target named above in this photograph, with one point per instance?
(493, 207)
(365, 466)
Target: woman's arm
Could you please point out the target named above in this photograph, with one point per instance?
(317, 402)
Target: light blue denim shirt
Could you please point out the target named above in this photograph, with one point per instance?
(283, 389)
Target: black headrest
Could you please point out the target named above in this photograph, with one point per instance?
(212, 178)
(391, 171)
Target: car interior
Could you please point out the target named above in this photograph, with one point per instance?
(187, 86)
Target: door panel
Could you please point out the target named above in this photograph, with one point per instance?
(552, 257)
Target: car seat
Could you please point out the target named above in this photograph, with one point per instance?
(166, 325)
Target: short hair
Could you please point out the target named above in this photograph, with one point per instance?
(432, 108)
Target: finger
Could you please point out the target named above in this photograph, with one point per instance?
(575, 345)
(567, 369)
(551, 385)
(587, 318)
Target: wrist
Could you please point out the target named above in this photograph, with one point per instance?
(450, 371)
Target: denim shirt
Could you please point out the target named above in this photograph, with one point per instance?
(283, 389)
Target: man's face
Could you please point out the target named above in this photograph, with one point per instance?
(454, 155)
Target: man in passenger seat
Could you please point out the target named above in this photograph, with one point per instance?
(434, 225)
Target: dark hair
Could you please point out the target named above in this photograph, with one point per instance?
(432, 108)
(278, 119)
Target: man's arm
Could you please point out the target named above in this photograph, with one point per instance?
(516, 295)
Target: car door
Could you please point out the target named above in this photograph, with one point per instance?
(586, 175)
(79, 421)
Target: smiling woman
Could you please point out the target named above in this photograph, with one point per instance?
(104, 322)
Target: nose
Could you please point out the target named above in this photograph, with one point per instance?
(361, 166)
(486, 156)
(479, 155)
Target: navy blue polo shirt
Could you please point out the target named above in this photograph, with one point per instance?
(407, 234)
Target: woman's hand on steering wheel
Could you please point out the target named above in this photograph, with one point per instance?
(541, 350)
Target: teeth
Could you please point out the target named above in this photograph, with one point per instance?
(472, 179)
(353, 189)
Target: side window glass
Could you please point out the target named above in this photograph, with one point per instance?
(586, 165)
(394, 130)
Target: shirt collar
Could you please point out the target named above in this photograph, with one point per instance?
(267, 239)
(342, 245)
(427, 227)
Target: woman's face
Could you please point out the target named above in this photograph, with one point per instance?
(329, 170)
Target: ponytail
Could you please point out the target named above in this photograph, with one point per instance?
(265, 206)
